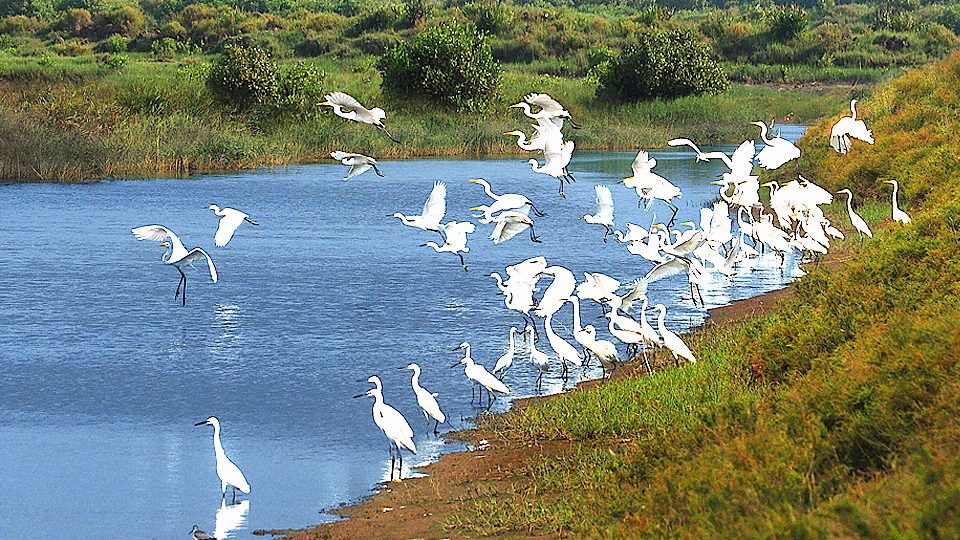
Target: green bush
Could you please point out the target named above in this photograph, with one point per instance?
(299, 90)
(664, 65)
(447, 63)
(786, 22)
(243, 77)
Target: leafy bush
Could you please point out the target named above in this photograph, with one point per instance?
(447, 63)
(786, 22)
(243, 77)
(664, 64)
(299, 90)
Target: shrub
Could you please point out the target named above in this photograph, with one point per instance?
(299, 90)
(448, 63)
(786, 22)
(243, 77)
(664, 64)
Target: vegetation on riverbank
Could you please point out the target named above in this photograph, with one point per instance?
(106, 88)
(835, 417)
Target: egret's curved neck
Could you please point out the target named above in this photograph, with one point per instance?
(416, 377)
(663, 312)
(217, 447)
(853, 108)
(576, 313)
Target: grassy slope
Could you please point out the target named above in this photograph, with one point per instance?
(837, 417)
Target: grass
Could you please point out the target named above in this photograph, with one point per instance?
(835, 417)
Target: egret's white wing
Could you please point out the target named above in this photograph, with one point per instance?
(228, 224)
(741, 163)
(544, 101)
(436, 205)
(344, 101)
(196, 254)
(604, 203)
(157, 233)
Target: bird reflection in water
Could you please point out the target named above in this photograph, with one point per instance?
(230, 518)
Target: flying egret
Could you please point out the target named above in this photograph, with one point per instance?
(565, 351)
(670, 340)
(604, 214)
(510, 223)
(197, 534)
(560, 289)
(455, 234)
(556, 155)
(506, 361)
(847, 127)
(506, 201)
(230, 219)
(178, 257)
(539, 358)
(855, 219)
(898, 214)
(346, 106)
(550, 109)
(480, 375)
(778, 150)
(537, 138)
(359, 163)
(392, 423)
(228, 472)
(426, 400)
(433, 210)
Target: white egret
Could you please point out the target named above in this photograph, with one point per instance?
(650, 185)
(426, 400)
(392, 423)
(480, 375)
(359, 163)
(550, 109)
(506, 201)
(597, 287)
(604, 214)
(649, 335)
(565, 351)
(197, 534)
(557, 293)
(778, 150)
(847, 127)
(346, 106)
(635, 233)
(556, 154)
(510, 223)
(539, 358)
(579, 333)
(604, 350)
(455, 235)
(898, 214)
(855, 219)
(537, 138)
(179, 256)
(230, 220)
(433, 210)
(228, 472)
(630, 338)
(506, 361)
(670, 340)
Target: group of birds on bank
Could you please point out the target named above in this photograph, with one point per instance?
(794, 221)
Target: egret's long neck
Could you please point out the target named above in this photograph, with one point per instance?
(660, 320)
(416, 378)
(576, 313)
(217, 447)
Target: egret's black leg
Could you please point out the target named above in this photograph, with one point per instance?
(533, 235)
(463, 264)
(538, 213)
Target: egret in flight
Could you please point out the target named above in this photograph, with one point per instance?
(778, 150)
(506, 201)
(359, 163)
(550, 109)
(433, 211)
(847, 127)
(392, 423)
(178, 257)
(898, 214)
(604, 214)
(857, 221)
(228, 472)
(426, 400)
(455, 234)
(511, 223)
(346, 106)
(230, 220)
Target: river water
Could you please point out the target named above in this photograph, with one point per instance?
(103, 374)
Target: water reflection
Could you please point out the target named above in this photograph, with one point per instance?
(230, 518)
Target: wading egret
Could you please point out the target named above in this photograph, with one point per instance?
(847, 127)
(480, 375)
(359, 163)
(565, 351)
(228, 472)
(433, 210)
(426, 400)
(550, 109)
(604, 213)
(178, 257)
(604, 350)
(455, 235)
(506, 361)
(670, 340)
(392, 423)
(898, 214)
(230, 220)
(855, 219)
(539, 358)
(346, 106)
(778, 150)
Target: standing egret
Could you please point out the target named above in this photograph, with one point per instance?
(346, 106)
(506, 201)
(898, 214)
(565, 351)
(604, 214)
(433, 210)
(506, 361)
(228, 472)
(178, 257)
(778, 150)
(847, 127)
(230, 219)
(426, 400)
(604, 350)
(392, 423)
(579, 333)
(670, 340)
(359, 163)
(550, 109)
(539, 358)
(628, 337)
(455, 235)
(857, 221)
(480, 375)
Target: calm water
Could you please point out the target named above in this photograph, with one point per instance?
(103, 374)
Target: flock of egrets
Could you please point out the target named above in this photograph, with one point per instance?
(792, 221)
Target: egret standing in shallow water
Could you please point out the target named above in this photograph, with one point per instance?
(426, 400)
(228, 472)
(480, 375)
(506, 361)
(392, 423)
(230, 220)
(179, 256)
